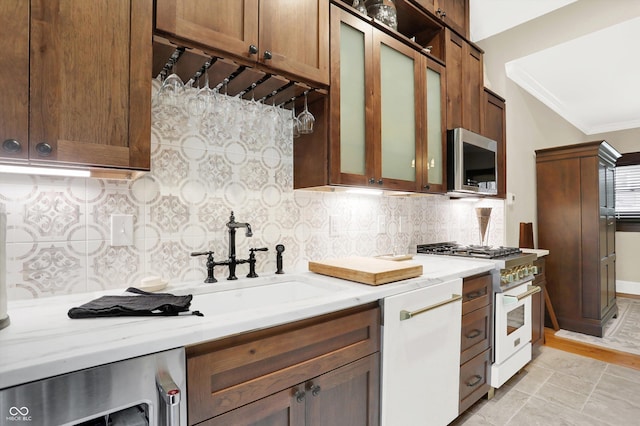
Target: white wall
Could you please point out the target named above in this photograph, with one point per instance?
(531, 125)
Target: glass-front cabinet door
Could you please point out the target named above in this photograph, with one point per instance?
(374, 113)
(351, 157)
(434, 131)
(397, 78)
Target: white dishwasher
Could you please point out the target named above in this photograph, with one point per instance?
(421, 355)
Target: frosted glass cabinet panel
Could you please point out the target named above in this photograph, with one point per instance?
(376, 105)
(434, 129)
(434, 151)
(352, 100)
(398, 124)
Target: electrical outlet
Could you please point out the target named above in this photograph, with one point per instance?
(382, 224)
(334, 225)
(402, 224)
(121, 230)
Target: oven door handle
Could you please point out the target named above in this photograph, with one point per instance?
(531, 290)
(405, 315)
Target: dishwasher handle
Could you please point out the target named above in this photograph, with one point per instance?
(170, 396)
(405, 315)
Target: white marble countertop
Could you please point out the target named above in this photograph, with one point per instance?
(42, 341)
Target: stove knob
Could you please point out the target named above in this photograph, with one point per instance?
(534, 270)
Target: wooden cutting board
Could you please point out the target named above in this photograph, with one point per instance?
(366, 270)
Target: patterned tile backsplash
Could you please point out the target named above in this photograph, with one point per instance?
(58, 229)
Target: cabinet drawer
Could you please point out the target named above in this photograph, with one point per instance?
(226, 374)
(476, 333)
(474, 377)
(476, 293)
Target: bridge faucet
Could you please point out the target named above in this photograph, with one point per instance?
(233, 225)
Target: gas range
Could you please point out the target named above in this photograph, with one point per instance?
(515, 266)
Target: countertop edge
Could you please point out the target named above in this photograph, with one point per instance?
(130, 337)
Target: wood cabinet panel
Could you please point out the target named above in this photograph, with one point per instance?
(474, 379)
(476, 293)
(572, 226)
(465, 83)
(538, 305)
(224, 375)
(476, 333)
(494, 126)
(87, 106)
(453, 13)
(346, 396)
(229, 23)
(14, 79)
(476, 337)
(256, 31)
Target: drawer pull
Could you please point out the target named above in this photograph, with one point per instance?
(473, 333)
(475, 294)
(405, 315)
(476, 379)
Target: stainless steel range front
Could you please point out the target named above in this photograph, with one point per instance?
(512, 303)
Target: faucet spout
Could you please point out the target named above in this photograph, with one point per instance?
(233, 225)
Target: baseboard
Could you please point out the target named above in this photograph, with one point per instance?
(627, 287)
(611, 356)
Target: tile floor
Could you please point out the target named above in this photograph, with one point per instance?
(561, 388)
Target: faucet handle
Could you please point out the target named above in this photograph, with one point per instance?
(258, 249)
(201, 253)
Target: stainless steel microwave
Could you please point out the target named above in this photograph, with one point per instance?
(472, 163)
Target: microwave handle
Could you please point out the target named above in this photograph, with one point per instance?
(170, 396)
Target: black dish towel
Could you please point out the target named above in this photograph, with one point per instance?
(144, 304)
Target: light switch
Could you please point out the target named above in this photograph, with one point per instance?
(121, 230)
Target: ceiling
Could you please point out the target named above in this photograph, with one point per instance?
(592, 81)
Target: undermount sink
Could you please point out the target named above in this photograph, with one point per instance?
(265, 295)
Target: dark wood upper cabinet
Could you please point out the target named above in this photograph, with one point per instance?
(494, 127)
(290, 37)
(77, 83)
(465, 83)
(453, 13)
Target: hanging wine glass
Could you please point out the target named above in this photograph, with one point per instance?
(295, 122)
(305, 119)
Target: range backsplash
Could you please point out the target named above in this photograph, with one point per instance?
(58, 229)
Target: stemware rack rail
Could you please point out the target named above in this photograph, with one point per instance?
(241, 80)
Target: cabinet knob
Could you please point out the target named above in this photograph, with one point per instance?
(439, 11)
(372, 181)
(267, 55)
(299, 395)
(44, 149)
(253, 49)
(315, 390)
(380, 182)
(427, 187)
(12, 146)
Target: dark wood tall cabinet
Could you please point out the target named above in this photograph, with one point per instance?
(576, 223)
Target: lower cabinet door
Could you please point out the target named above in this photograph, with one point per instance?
(421, 355)
(284, 408)
(348, 395)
